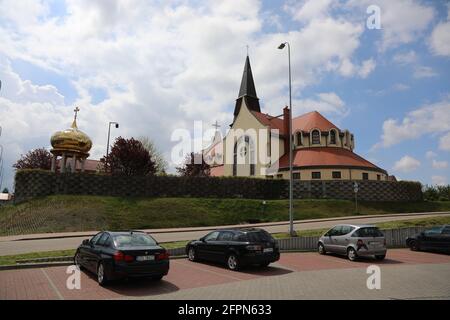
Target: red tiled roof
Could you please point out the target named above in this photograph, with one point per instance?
(312, 120)
(326, 156)
(306, 122)
(268, 120)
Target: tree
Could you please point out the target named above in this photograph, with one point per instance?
(194, 166)
(35, 159)
(5, 190)
(129, 157)
(156, 155)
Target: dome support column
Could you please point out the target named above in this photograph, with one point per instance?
(74, 163)
(53, 163)
(82, 164)
(63, 163)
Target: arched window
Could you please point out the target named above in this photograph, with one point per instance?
(332, 137)
(299, 138)
(315, 137)
(244, 149)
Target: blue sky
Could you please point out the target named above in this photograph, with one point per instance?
(155, 66)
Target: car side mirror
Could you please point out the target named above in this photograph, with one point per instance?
(86, 242)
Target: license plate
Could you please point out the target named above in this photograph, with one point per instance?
(145, 258)
(268, 250)
(375, 244)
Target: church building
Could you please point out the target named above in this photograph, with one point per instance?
(321, 150)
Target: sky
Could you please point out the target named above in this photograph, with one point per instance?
(157, 66)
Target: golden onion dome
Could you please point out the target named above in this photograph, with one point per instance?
(71, 140)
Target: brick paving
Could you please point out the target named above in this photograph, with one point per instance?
(295, 276)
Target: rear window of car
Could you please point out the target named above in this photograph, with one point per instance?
(259, 236)
(368, 232)
(133, 240)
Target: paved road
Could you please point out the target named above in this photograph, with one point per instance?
(404, 275)
(10, 245)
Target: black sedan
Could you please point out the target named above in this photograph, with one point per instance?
(235, 247)
(115, 255)
(434, 239)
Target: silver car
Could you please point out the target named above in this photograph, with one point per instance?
(354, 241)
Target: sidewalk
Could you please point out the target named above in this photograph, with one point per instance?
(61, 235)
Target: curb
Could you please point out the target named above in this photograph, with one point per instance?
(54, 264)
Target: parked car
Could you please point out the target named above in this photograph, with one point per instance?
(115, 255)
(235, 247)
(354, 241)
(434, 239)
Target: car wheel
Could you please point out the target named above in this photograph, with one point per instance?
(380, 257)
(192, 256)
(233, 262)
(101, 275)
(414, 246)
(77, 261)
(321, 249)
(351, 254)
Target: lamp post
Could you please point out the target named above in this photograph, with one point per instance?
(291, 215)
(107, 145)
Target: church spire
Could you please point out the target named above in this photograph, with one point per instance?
(247, 90)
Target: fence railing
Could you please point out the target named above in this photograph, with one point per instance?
(395, 238)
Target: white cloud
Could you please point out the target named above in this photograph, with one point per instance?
(328, 103)
(400, 87)
(305, 11)
(406, 164)
(444, 142)
(161, 64)
(439, 164)
(402, 21)
(429, 119)
(439, 180)
(440, 39)
(424, 72)
(430, 155)
(348, 69)
(405, 58)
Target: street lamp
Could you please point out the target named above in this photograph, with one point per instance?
(291, 215)
(107, 146)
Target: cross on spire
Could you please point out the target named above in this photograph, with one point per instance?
(216, 125)
(76, 110)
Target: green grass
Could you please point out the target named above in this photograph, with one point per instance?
(425, 222)
(11, 259)
(64, 213)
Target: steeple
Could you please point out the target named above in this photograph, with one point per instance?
(247, 91)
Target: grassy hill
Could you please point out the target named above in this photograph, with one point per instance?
(85, 213)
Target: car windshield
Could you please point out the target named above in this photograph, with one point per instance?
(259, 236)
(133, 240)
(368, 232)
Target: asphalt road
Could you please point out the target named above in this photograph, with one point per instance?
(10, 245)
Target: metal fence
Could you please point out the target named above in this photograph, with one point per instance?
(395, 238)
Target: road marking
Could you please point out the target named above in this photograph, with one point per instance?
(53, 285)
(210, 271)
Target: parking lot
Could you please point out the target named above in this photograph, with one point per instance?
(406, 274)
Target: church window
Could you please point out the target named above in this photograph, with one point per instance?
(316, 137)
(299, 138)
(315, 175)
(336, 174)
(296, 175)
(332, 137)
(365, 176)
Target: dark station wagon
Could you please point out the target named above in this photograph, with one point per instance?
(235, 247)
